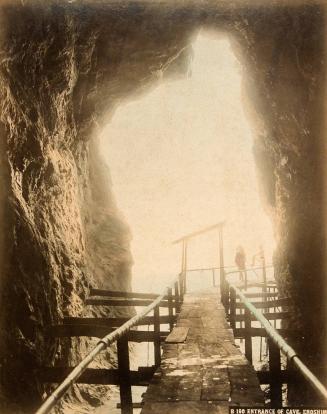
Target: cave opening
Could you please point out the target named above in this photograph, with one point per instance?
(189, 163)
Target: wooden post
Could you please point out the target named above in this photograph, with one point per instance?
(245, 280)
(264, 272)
(185, 267)
(125, 388)
(177, 304)
(248, 338)
(181, 288)
(275, 374)
(181, 275)
(170, 309)
(156, 328)
(232, 307)
(213, 277)
(223, 287)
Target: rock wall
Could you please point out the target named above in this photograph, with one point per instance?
(284, 54)
(65, 66)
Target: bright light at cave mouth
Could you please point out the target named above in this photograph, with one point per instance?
(180, 159)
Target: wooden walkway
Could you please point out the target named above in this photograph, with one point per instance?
(206, 372)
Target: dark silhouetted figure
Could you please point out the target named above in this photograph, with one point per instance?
(240, 260)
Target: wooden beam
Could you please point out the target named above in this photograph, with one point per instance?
(97, 376)
(268, 315)
(98, 331)
(240, 332)
(197, 233)
(258, 284)
(122, 302)
(267, 304)
(261, 294)
(121, 294)
(114, 322)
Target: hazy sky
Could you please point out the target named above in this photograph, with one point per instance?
(181, 158)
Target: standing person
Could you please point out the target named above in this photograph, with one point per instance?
(260, 256)
(240, 260)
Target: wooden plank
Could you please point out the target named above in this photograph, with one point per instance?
(268, 315)
(97, 376)
(195, 374)
(67, 331)
(216, 385)
(267, 304)
(114, 322)
(177, 335)
(121, 294)
(122, 302)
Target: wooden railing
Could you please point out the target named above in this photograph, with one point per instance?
(241, 310)
(112, 330)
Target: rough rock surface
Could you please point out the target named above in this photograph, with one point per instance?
(65, 66)
(284, 54)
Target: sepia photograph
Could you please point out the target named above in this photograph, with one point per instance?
(163, 207)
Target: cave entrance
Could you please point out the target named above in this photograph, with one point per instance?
(181, 158)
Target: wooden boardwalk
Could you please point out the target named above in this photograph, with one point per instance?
(204, 372)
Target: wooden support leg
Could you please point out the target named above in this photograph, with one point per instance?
(177, 303)
(275, 374)
(232, 308)
(181, 287)
(224, 286)
(156, 344)
(184, 283)
(248, 338)
(124, 376)
(170, 309)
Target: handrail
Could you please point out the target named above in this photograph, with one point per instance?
(199, 269)
(282, 344)
(197, 233)
(249, 268)
(59, 392)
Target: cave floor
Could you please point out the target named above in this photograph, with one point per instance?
(206, 373)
